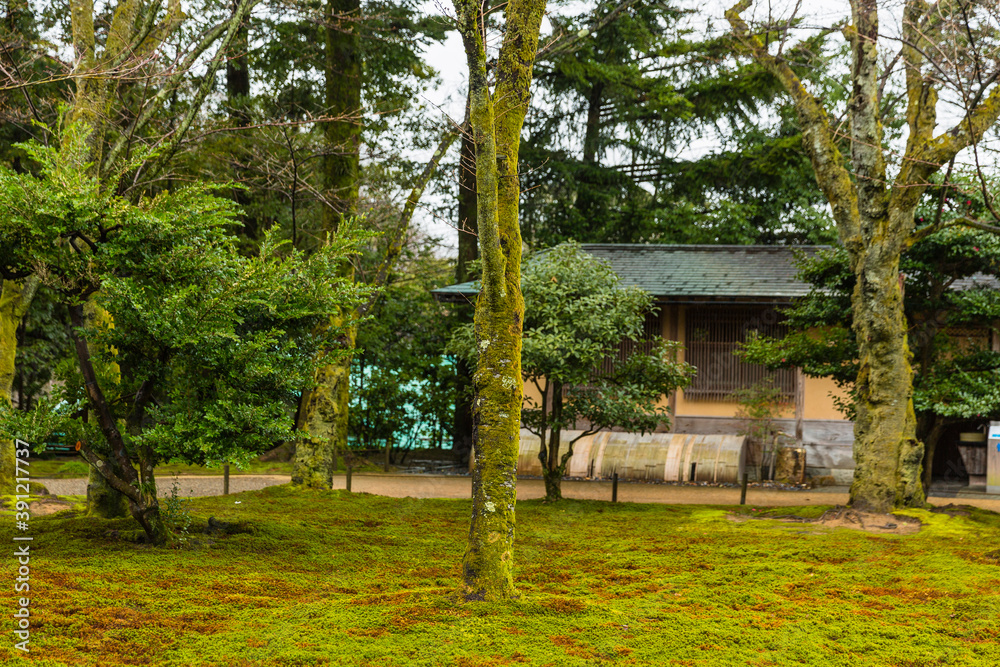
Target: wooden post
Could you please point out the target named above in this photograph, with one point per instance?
(800, 405)
(743, 489)
(614, 487)
(225, 479)
(349, 471)
(388, 449)
(673, 314)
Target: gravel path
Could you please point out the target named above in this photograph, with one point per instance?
(193, 485)
(442, 486)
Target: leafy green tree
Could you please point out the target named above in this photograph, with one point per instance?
(577, 315)
(204, 350)
(130, 95)
(955, 376)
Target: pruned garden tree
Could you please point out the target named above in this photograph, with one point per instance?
(578, 319)
(202, 350)
(122, 82)
(946, 50)
(496, 116)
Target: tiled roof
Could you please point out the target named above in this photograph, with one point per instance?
(720, 272)
(703, 271)
(706, 270)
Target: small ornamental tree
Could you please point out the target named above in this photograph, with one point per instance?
(202, 352)
(955, 376)
(577, 314)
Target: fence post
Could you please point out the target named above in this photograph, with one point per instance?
(350, 469)
(614, 487)
(225, 479)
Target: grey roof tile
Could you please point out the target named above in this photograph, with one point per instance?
(703, 271)
(692, 270)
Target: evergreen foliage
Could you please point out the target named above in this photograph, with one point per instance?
(611, 151)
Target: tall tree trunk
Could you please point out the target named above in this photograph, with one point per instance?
(468, 231)
(592, 136)
(496, 131)
(588, 182)
(103, 500)
(931, 438)
(323, 412)
(238, 74)
(15, 297)
(552, 467)
(887, 454)
(238, 103)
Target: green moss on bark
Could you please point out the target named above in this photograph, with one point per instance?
(15, 297)
(488, 562)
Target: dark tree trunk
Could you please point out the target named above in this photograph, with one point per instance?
(468, 251)
(931, 437)
(552, 467)
(323, 412)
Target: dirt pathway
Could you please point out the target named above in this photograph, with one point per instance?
(443, 486)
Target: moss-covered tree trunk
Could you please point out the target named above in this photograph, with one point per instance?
(496, 118)
(323, 411)
(875, 220)
(15, 297)
(887, 454)
(322, 419)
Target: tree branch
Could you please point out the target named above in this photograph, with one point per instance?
(817, 137)
(166, 90)
(399, 239)
(97, 399)
(964, 221)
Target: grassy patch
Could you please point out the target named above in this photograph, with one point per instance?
(332, 578)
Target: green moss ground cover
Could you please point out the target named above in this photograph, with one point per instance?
(340, 579)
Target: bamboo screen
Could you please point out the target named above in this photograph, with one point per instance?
(650, 334)
(711, 341)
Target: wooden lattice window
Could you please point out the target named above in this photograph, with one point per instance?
(970, 338)
(651, 333)
(713, 335)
